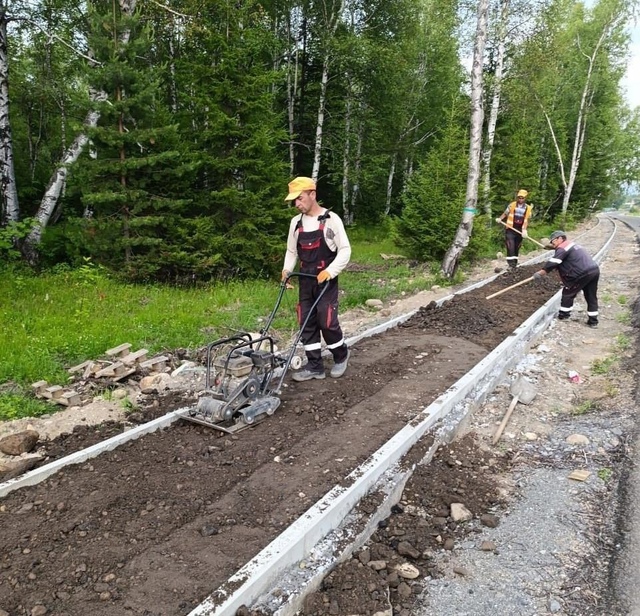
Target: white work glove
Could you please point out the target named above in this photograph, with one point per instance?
(499, 221)
(524, 233)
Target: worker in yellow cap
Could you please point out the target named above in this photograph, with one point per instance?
(517, 217)
(318, 240)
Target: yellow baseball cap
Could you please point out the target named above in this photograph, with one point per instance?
(299, 185)
(522, 193)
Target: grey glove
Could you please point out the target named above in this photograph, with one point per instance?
(537, 276)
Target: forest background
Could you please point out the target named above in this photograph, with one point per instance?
(152, 142)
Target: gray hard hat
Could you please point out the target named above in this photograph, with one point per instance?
(556, 234)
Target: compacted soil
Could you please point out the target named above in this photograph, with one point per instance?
(156, 525)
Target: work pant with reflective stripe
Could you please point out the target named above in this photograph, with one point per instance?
(588, 284)
(323, 319)
(513, 242)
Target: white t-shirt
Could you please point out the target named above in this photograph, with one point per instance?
(334, 235)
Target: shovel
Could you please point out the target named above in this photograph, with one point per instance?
(522, 391)
(513, 286)
(502, 222)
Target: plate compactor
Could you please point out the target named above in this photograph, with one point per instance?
(245, 374)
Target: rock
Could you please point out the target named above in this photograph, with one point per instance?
(449, 544)
(531, 436)
(388, 612)
(19, 443)
(407, 571)
(488, 546)
(406, 549)
(364, 556)
(435, 287)
(577, 439)
(377, 565)
(489, 520)
(554, 606)
(119, 394)
(186, 365)
(154, 383)
(15, 468)
(461, 571)
(459, 513)
(374, 303)
(209, 531)
(39, 610)
(404, 590)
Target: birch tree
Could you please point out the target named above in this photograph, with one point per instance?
(614, 19)
(10, 210)
(332, 12)
(496, 85)
(463, 234)
(59, 177)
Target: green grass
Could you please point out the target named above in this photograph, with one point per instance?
(602, 366)
(622, 300)
(624, 318)
(605, 474)
(585, 407)
(623, 342)
(59, 319)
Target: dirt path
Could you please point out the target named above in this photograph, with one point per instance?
(155, 526)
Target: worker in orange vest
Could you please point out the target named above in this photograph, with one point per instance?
(517, 217)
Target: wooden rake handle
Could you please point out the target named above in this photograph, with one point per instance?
(502, 222)
(513, 286)
(503, 424)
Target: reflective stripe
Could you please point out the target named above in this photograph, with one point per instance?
(512, 258)
(316, 346)
(336, 345)
(563, 309)
(592, 314)
(554, 260)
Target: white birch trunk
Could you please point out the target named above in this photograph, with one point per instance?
(56, 186)
(317, 151)
(332, 25)
(172, 69)
(346, 161)
(58, 179)
(392, 172)
(463, 234)
(581, 125)
(495, 108)
(10, 209)
(357, 165)
(292, 89)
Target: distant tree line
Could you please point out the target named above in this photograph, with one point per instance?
(156, 138)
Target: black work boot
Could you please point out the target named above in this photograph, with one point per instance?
(563, 316)
(592, 322)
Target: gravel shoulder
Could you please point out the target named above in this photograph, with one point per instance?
(559, 538)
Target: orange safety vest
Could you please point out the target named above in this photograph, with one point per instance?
(512, 211)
